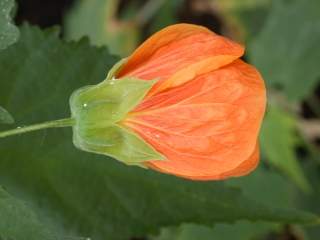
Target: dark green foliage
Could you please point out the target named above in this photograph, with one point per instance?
(8, 32)
(86, 194)
(286, 50)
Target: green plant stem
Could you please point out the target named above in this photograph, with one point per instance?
(67, 122)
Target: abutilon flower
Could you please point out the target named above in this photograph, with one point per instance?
(183, 103)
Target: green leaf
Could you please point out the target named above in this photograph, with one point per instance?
(18, 221)
(89, 194)
(5, 116)
(243, 18)
(239, 231)
(280, 149)
(166, 15)
(276, 189)
(8, 32)
(311, 201)
(98, 20)
(287, 49)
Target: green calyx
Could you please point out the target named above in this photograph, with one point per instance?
(98, 111)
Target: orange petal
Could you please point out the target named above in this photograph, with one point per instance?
(244, 168)
(212, 103)
(206, 127)
(178, 53)
(221, 86)
(199, 156)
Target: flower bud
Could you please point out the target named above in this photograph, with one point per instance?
(202, 115)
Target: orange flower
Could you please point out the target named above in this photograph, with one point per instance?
(205, 111)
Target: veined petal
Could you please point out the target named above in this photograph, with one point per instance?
(220, 101)
(244, 168)
(191, 71)
(225, 85)
(178, 53)
(160, 39)
(205, 119)
(207, 126)
(209, 155)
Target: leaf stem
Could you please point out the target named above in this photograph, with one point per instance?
(67, 122)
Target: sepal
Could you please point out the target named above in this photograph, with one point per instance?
(115, 69)
(117, 142)
(98, 112)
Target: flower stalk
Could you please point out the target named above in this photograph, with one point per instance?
(67, 122)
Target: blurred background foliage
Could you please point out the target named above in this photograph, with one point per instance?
(282, 40)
